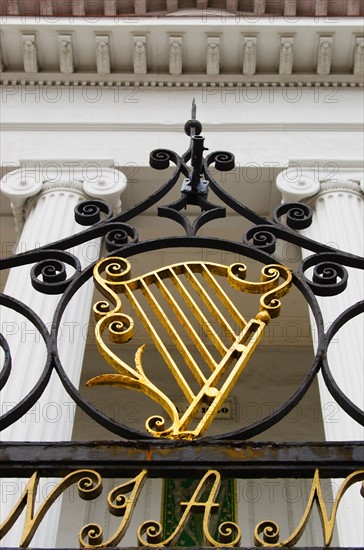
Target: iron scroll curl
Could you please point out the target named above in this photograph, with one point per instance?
(33, 394)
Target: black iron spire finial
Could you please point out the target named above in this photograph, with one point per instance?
(193, 127)
(193, 110)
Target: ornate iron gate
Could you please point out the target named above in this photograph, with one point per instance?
(181, 446)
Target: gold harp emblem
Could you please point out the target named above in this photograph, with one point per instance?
(153, 297)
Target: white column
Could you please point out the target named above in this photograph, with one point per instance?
(48, 192)
(337, 201)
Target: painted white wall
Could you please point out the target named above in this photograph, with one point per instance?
(258, 125)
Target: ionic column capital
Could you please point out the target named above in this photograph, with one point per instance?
(88, 178)
(303, 180)
(20, 186)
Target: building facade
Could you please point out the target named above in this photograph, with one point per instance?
(95, 99)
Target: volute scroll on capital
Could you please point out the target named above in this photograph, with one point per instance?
(300, 185)
(24, 185)
(19, 187)
(296, 185)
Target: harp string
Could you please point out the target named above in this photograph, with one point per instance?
(173, 273)
(180, 379)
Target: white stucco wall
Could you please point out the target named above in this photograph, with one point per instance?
(259, 125)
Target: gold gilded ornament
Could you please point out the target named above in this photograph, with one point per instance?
(122, 499)
(204, 280)
(150, 533)
(270, 529)
(121, 502)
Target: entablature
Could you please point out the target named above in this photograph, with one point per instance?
(183, 51)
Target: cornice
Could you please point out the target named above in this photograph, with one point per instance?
(59, 53)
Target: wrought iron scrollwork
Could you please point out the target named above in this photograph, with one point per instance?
(298, 215)
(160, 159)
(89, 212)
(224, 161)
(50, 276)
(209, 212)
(6, 367)
(193, 173)
(19, 409)
(353, 410)
(262, 238)
(122, 233)
(329, 276)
